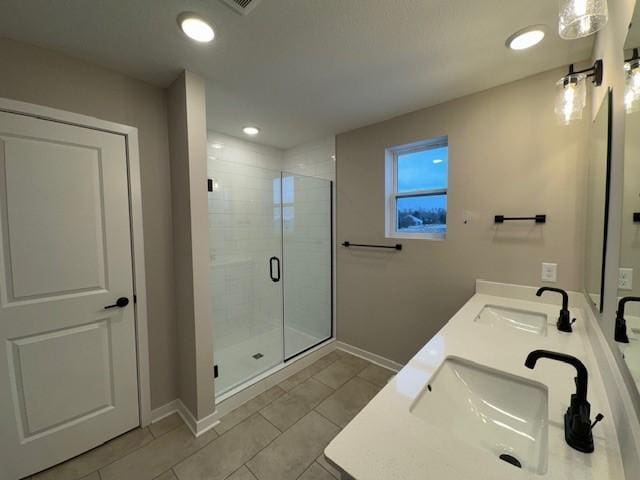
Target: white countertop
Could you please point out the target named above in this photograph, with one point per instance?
(386, 441)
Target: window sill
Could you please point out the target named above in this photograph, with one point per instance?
(419, 236)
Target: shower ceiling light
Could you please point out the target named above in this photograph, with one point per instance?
(251, 130)
(580, 18)
(196, 28)
(525, 38)
(572, 92)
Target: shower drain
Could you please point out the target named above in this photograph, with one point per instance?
(258, 356)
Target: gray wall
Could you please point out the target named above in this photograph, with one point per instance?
(188, 146)
(39, 76)
(507, 156)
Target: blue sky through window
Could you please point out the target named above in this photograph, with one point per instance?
(424, 170)
(284, 190)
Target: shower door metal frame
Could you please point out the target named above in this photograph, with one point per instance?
(331, 259)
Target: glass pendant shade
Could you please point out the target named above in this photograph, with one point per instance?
(580, 18)
(634, 76)
(571, 98)
(632, 88)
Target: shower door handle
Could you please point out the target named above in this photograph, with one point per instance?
(277, 260)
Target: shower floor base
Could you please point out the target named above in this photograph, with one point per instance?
(241, 362)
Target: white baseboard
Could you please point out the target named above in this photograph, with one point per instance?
(197, 427)
(164, 411)
(371, 357)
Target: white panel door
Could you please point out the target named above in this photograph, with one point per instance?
(68, 378)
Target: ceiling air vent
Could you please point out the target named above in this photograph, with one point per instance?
(242, 6)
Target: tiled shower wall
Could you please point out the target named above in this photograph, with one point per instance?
(244, 223)
(243, 235)
(314, 159)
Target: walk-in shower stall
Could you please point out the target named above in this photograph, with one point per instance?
(271, 266)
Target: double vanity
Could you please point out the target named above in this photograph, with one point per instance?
(499, 393)
(510, 387)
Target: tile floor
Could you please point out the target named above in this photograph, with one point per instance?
(278, 435)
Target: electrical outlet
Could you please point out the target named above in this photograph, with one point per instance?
(550, 272)
(625, 279)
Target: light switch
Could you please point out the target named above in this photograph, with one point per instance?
(550, 272)
(625, 279)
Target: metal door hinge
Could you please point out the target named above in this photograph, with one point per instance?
(215, 371)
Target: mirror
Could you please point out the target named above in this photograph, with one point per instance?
(597, 203)
(628, 318)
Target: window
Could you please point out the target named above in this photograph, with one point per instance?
(417, 182)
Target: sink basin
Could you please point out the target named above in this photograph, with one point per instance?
(521, 320)
(497, 412)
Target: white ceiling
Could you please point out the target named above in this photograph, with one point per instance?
(303, 69)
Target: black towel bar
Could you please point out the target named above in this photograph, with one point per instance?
(537, 218)
(397, 246)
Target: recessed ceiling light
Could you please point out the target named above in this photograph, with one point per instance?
(196, 28)
(251, 130)
(217, 146)
(437, 161)
(526, 38)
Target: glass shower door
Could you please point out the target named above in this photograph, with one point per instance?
(245, 244)
(307, 261)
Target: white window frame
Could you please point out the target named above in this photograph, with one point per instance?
(391, 188)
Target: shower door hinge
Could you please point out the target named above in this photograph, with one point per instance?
(209, 184)
(215, 371)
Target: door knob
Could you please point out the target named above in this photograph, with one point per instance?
(120, 303)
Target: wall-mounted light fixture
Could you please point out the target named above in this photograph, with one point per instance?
(581, 18)
(632, 84)
(572, 92)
